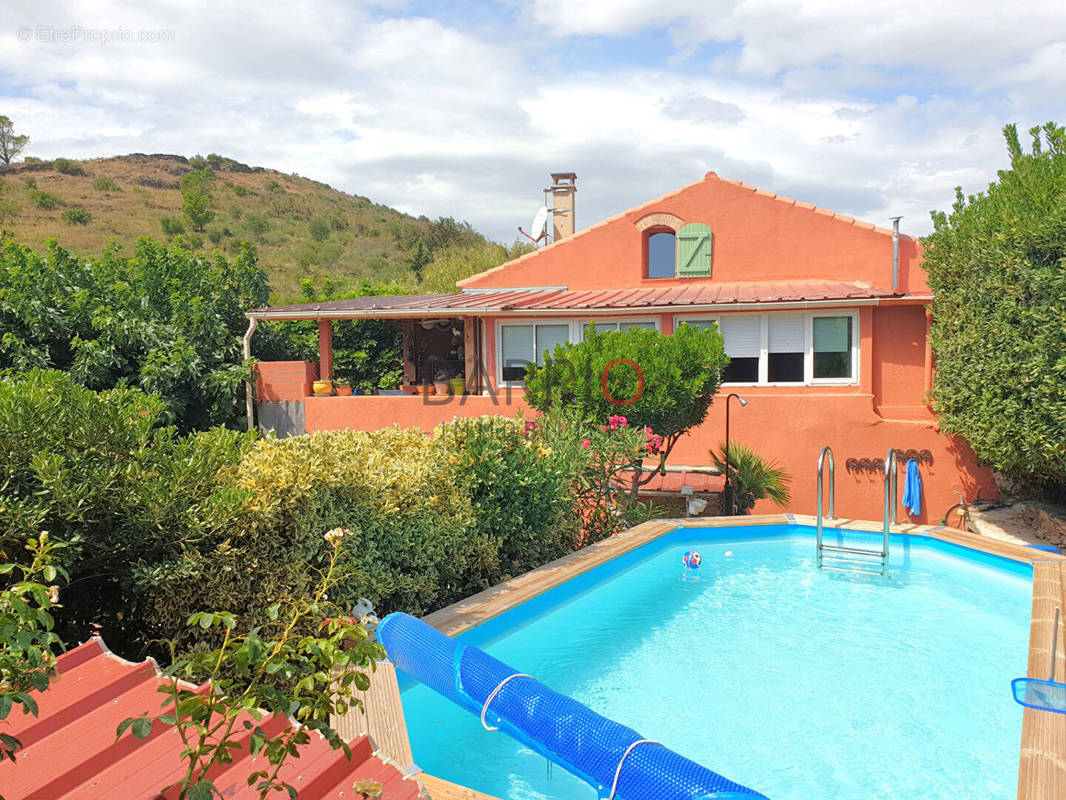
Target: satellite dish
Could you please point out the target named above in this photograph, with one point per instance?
(540, 223)
(539, 229)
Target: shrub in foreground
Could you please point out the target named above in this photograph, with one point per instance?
(98, 472)
(519, 488)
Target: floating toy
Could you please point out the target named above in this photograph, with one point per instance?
(728, 552)
(691, 559)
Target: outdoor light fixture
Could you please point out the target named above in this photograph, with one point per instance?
(728, 501)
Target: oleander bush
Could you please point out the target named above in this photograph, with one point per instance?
(658, 381)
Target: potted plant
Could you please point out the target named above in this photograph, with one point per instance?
(440, 383)
(458, 385)
(343, 387)
(322, 388)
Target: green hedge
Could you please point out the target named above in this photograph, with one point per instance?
(997, 267)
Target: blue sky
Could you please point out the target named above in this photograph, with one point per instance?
(463, 108)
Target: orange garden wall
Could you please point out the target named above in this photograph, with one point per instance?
(277, 381)
(373, 412)
(787, 425)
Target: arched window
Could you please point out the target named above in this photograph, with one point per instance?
(661, 249)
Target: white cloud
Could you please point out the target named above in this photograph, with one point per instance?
(449, 117)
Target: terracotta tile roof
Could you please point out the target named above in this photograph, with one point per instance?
(70, 752)
(672, 481)
(696, 296)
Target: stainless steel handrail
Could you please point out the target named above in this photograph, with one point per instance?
(827, 450)
(890, 501)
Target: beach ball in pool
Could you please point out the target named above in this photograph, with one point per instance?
(691, 559)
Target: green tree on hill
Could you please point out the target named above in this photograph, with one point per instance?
(997, 267)
(196, 197)
(419, 260)
(11, 144)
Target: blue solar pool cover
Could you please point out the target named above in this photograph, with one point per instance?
(558, 727)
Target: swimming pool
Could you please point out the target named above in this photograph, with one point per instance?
(796, 682)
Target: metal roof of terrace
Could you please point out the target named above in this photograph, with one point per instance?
(70, 751)
(559, 301)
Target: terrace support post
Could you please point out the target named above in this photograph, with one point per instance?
(471, 353)
(249, 385)
(325, 349)
(408, 330)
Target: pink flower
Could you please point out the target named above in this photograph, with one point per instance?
(603, 427)
(586, 443)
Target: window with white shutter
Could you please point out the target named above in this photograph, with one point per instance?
(781, 347)
(743, 345)
(785, 348)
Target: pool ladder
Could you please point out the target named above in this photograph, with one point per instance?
(860, 559)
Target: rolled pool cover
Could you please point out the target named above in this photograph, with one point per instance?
(556, 726)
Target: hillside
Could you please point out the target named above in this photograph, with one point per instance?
(301, 228)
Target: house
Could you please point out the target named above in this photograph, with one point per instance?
(825, 318)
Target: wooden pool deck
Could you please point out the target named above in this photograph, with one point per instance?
(1042, 762)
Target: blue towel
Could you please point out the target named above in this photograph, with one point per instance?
(912, 489)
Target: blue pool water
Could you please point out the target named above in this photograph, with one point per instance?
(798, 683)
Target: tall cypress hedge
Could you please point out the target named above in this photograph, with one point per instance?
(997, 267)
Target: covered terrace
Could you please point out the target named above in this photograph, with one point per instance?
(465, 334)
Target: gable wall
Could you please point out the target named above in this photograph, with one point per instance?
(757, 236)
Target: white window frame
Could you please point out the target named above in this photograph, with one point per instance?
(808, 345)
(584, 323)
(576, 334)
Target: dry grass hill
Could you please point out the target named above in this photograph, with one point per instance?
(301, 228)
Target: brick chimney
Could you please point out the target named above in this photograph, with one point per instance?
(563, 189)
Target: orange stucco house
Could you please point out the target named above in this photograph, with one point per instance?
(825, 318)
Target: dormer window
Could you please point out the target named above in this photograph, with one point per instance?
(662, 254)
(683, 251)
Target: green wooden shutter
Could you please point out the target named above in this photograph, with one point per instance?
(694, 251)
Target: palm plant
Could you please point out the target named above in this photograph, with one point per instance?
(753, 477)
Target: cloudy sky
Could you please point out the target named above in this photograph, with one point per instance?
(872, 108)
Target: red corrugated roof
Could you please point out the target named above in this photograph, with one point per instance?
(557, 300)
(70, 752)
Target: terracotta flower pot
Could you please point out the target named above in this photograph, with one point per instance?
(344, 391)
(442, 387)
(322, 388)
